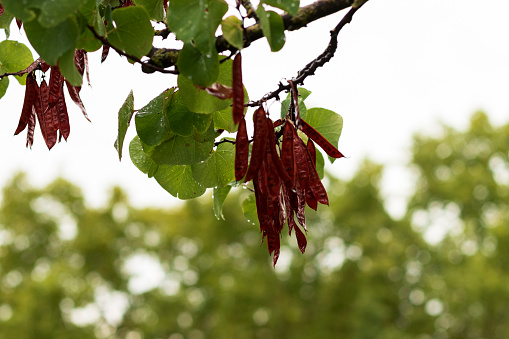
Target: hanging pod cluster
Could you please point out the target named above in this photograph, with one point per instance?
(284, 173)
(47, 102)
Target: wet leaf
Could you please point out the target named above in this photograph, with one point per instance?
(232, 31)
(179, 182)
(151, 123)
(273, 28)
(217, 170)
(124, 119)
(133, 33)
(14, 57)
(219, 195)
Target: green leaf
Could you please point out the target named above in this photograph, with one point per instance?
(133, 33)
(88, 42)
(124, 119)
(285, 104)
(88, 10)
(219, 195)
(53, 12)
(179, 150)
(99, 26)
(273, 28)
(205, 37)
(154, 8)
(290, 6)
(68, 68)
(138, 156)
(184, 17)
(151, 122)
(14, 57)
(201, 122)
(320, 164)
(182, 121)
(5, 22)
(22, 9)
(52, 43)
(4, 83)
(202, 69)
(218, 169)
(232, 31)
(223, 119)
(249, 210)
(327, 123)
(198, 100)
(179, 182)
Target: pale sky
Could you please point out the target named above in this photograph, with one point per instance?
(402, 66)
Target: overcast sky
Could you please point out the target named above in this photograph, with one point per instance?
(402, 66)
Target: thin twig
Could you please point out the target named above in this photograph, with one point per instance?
(311, 67)
(105, 41)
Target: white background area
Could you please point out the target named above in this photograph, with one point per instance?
(402, 67)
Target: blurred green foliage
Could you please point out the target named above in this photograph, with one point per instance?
(71, 271)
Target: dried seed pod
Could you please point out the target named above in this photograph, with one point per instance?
(238, 89)
(320, 140)
(30, 97)
(259, 143)
(241, 151)
(276, 161)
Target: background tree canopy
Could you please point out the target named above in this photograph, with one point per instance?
(71, 271)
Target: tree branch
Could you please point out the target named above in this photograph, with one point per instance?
(311, 67)
(162, 57)
(105, 42)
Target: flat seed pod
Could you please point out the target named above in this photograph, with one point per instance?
(259, 143)
(238, 89)
(320, 140)
(241, 151)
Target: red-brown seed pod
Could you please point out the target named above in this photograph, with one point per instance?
(79, 60)
(30, 97)
(300, 199)
(74, 94)
(315, 184)
(276, 161)
(259, 143)
(301, 157)
(320, 140)
(39, 109)
(85, 57)
(301, 239)
(312, 151)
(262, 209)
(241, 151)
(55, 85)
(104, 53)
(310, 198)
(287, 152)
(31, 128)
(50, 133)
(273, 180)
(288, 209)
(278, 122)
(238, 89)
(44, 66)
(63, 117)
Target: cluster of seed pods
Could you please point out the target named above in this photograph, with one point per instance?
(284, 175)
(47, 102)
